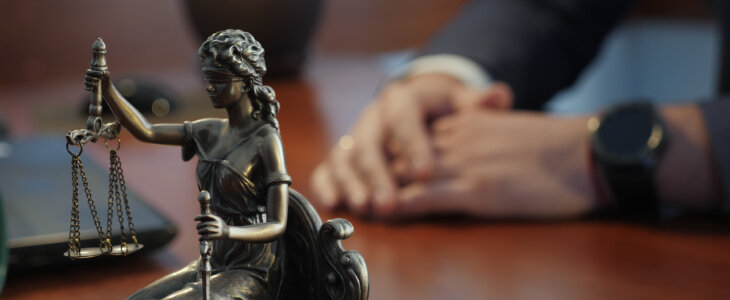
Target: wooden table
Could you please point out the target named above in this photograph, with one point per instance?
(418, 260)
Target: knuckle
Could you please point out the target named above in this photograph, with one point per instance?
(399, 109)
(388, 92)
(319, 177)
(367, 160)
(374, 169)
(341, 156)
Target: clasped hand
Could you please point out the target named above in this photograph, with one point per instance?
(94, 77)
(211, 227)
(431, 145)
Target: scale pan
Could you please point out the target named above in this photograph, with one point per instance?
(117, 250)
(87, 252)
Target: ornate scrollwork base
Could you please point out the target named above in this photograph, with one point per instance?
(347, 275)
(317, 267)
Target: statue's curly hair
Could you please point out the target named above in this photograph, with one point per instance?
(238, 52)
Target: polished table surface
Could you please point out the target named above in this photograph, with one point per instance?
(422, 259)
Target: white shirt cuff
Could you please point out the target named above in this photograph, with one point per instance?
(463, 69)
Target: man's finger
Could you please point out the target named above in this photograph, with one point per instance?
(405, 121)
(497, 96)
(372, 164)
(324, 186)
(354, 190)
(440, 196)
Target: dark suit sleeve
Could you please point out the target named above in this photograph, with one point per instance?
(537, 46)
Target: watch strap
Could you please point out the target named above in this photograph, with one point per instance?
(632, 190)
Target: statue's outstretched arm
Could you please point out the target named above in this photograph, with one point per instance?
(130, 117)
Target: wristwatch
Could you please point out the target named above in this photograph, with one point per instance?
(627, 143)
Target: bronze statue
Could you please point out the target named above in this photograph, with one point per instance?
(263, 239)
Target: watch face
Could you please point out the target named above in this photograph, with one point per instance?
(626, 132)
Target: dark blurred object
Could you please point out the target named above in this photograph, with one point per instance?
(3, 128)
(147, 96)
(35, 186)
(284, 26)
(4, 152)
(671, 9)
(3, 246)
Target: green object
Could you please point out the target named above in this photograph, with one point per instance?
(3, 247)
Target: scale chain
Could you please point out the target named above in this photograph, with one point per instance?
(117, 200)
(114, 168)
(73, 233)
(90, 200)
(110, 202)
(77, 170)
(123, 188)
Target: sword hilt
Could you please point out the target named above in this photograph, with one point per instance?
(204, 199)
(205, 247)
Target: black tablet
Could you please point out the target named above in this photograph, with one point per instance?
(36, 189)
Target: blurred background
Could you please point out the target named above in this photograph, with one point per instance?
(46, 47)
(326, 59)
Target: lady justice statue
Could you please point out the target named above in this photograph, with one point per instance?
(240, 163)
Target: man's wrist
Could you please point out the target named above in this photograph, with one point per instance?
(686, 176)
(602, 198)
